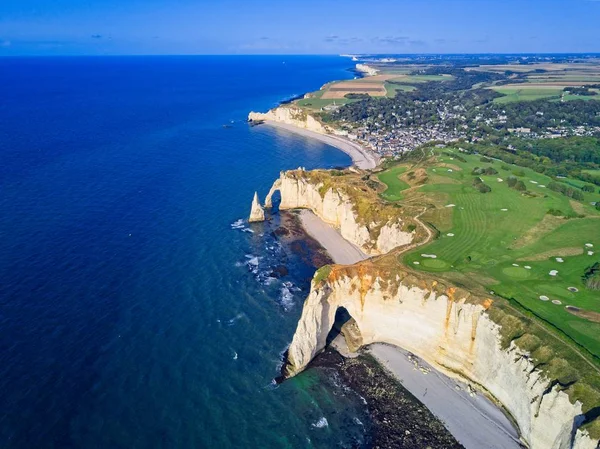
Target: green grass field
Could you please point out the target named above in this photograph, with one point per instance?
(393, 88)
(512, 94)
(506, 241)
(569, 97)
(391, 178)
(318, 103)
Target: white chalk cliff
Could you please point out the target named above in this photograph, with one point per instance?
(442, 326)
(367, 69)
(336, 208)
(453, 330)
(257, 213)
(291, 115)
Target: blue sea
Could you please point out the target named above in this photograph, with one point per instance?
(136, 310)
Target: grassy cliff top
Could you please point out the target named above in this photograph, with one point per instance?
(364, 192)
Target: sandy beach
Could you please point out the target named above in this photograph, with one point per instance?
(474, 420)
(361, 157)
(340, 249)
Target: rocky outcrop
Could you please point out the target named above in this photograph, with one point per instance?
(257, 213)
(333, 206)
(291, 115)
(451, 331)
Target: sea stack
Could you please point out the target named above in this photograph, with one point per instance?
(257, 213)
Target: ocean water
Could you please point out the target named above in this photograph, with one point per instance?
(132, 313)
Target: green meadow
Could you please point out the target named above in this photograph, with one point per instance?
(391, 178)
(513, 94)
(392, 89)
(506, 241)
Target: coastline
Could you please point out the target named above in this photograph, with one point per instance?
(339, 249)
(361, 157)
(470, 417)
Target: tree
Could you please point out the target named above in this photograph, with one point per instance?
(578, 195)
(588, 188)
(520, 186)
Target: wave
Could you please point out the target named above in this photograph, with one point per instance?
(321, 423)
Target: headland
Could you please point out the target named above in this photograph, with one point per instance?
(475, 257)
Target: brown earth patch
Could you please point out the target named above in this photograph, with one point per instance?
(577, 207)
(416, 177)
(585, 314)
(548, 224)
(441, 218)
(452, 166)
(339, 90)
(561, 252)
(437, 179)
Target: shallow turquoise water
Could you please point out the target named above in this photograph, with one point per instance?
(132, 314)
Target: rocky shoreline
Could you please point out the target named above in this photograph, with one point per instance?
(398, 419)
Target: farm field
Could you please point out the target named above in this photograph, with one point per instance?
(513, 94)
(392, 88)
(531, 92)
(506, 242)
(375, 86)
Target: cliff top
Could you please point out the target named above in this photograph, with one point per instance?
(520, 253)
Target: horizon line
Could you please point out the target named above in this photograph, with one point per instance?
(594, 53)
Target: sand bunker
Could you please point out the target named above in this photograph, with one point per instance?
(544, 298)
(450, 234)
(533, 182)
(573, 289)
(451, 205)
(553, 273)
(557, 302)
(429, 256)
(590, 253)
(542, 186)
(504, 210)
(515, 264)
(450, 170)
(559, 259)
(589, 245)
(417, 263)
(527, 267)
(500, 179)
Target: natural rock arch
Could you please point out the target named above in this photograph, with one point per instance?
(451, 333)
(275, 188)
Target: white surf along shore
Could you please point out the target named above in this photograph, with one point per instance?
(474, 420)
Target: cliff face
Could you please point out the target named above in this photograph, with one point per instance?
(336, 208)
(366, 69)
(291, 115)
(451, 332)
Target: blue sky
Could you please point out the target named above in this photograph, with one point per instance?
(97, 27)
